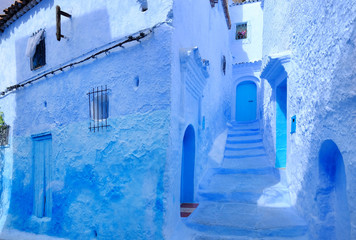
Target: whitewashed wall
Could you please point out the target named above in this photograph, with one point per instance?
(250, 49)
(196, 24)
(321, 93)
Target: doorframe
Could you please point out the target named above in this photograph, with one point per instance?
(256, 81)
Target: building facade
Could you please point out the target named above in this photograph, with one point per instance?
(98, 104)
(118, 112)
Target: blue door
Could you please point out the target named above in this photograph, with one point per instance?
(281, 125)
(188, 162)
(246, 101)
(42, 154)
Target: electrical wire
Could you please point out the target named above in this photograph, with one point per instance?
(134, 37)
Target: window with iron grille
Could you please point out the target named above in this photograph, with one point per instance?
(39, 58)
(241, 31)
(98, 108)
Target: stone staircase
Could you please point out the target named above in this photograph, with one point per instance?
(244, 199)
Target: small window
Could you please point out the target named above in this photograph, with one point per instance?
(98, 108)
(241, 31)
(36, 49)
(39, 58)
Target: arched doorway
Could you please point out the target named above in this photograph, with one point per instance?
(188, 162)
(246, 101)
(331, 196)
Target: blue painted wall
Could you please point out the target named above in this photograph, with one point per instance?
(246, 101)
(321, 93)
(108, 183)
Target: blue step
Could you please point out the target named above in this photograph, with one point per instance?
(253, 133)
(243, 149)
(245, 156)
(243, 141)
(249, 220)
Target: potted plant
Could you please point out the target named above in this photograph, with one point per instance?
(4, 131)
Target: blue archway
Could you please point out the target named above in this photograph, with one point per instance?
(246, 101)
(188, 163)
(331, 196)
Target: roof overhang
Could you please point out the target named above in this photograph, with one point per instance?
(15, 11)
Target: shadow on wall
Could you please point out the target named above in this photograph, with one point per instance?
(331, 196)
(82, 35)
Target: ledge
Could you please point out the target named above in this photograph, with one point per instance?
(15, 11)
(244, 2)
(275, 66)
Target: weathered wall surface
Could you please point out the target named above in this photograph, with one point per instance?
(250, 49)
(276, 26)
(197, 24)
(321, 37)
(107, 184)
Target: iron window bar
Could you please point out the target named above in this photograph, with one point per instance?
(98, 108)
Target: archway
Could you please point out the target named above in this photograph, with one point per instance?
(246, 101)
(331, 196)
(188, 162)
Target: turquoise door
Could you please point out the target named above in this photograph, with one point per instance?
(42, 154)
(281, 125)
(246, 102)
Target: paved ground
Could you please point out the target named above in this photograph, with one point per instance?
(244, 199)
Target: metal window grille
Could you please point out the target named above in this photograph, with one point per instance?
(98, 108)
(241, 31)
(39, 58)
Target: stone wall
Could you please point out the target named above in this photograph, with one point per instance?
(320, 37)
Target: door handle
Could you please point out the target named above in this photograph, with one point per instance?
(250, 101)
